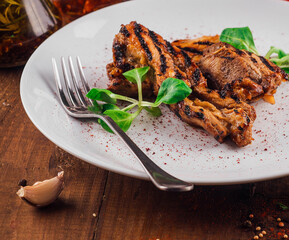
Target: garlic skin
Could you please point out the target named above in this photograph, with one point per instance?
(43, 193)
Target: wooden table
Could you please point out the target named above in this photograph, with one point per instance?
(97, 204)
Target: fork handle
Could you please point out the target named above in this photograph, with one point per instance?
(159, 177)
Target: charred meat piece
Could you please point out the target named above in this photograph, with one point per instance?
(127, 56)
(136, 46)
(241, 72)
(195, 47)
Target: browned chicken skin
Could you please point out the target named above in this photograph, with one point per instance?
(195, 47)
(216, 112)
(239, 72)
(249, 76)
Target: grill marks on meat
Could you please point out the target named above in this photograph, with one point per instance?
(220, 116)
(122, 62)
(196, 47)
(243, 73)
(195, 112)
(238, 72)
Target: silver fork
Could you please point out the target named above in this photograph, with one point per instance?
(76, 105)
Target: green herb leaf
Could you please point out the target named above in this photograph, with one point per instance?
(240, 38)
(129, 107)
(172, 91)
(282, 206)
(109, 106)
(96, 108)
(282, 62)
(136, 75)
(121, 118)
(101, 95)
(105, 107)
(155, 111)
(273, 50)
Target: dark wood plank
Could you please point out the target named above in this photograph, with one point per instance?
(135, 209)
(26, 153)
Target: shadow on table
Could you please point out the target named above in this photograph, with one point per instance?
(55, 208)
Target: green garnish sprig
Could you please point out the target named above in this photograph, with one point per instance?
(281, 60)
(171, 91)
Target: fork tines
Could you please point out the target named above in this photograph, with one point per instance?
(73, 93)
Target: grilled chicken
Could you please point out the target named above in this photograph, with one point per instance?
(248, 76)
(216, 112)
(241, 72)
(195, 47)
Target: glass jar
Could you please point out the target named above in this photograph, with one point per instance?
(24, 25)
(73, 9)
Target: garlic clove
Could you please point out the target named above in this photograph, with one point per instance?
(43, 193)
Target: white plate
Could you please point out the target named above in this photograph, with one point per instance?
(184, 151)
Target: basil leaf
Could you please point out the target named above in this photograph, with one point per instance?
(240, 38)
(101, 95)
(278, 51)
(172, 91)
(121, 118)
(136, 75)
(155, 111)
